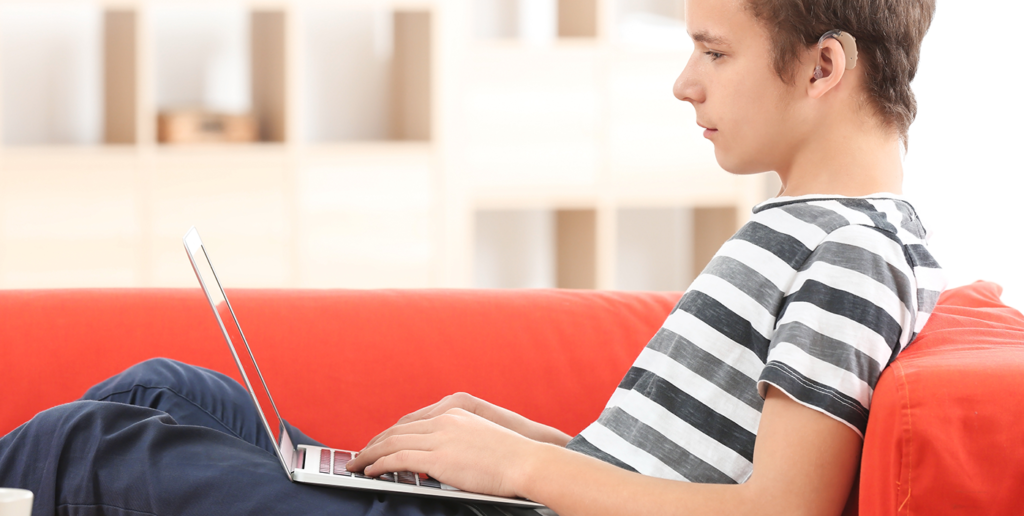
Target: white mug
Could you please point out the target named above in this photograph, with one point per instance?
(15, 502)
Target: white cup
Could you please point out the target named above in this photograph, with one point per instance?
(15, 502)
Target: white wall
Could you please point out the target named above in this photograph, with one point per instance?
(964, 168)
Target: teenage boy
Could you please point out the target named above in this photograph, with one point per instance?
(751, 399)
(757, 388)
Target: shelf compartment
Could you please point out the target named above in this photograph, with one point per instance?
(496, 19)
(670, 9)
(204, 57)
(120, 74)
(514, 249)
(535, 21)
(650, 25)
(52, 60)
(577, 18)
(654, 248)
(411, 104)
(269, 51)
(712, 226)
(535, 248)
(366, 74)
(576, 249)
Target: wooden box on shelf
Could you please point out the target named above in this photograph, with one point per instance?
(199, 126)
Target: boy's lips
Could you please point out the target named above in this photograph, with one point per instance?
(708, 131)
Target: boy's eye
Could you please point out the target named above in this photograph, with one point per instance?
(715, 56)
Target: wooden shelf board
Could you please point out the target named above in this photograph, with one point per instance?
(44, 157)
(397, 5)
(365, 148)
(49, 153)
(206, 149)
(486, 48)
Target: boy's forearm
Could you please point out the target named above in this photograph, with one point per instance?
(574, 484)
(545, 434)
(522, 425)
(805, 463)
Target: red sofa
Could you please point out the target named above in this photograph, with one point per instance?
(944, 436)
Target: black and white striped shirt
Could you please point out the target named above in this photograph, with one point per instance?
(815, 296)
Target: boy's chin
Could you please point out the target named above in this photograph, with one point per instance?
(739, 165)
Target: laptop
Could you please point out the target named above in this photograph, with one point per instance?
(302, 463)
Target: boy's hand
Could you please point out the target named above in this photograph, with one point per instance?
(456, 447)
(489, 411)
(459, 400)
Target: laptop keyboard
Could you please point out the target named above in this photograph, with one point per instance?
(341, 458)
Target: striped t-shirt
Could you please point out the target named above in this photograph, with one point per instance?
(815, 296)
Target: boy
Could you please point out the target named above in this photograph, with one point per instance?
(804, 306)
(753, 397)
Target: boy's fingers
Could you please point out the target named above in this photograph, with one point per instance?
(420, 415)
(417, 415)
(405, 460)
(396, 438)
(375, 439)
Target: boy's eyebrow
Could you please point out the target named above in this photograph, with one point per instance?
(707, 38)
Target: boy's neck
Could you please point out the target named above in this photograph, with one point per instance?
(851, 158)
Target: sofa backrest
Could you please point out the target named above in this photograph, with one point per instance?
(342, 364)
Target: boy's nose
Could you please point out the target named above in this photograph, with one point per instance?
(687, 88)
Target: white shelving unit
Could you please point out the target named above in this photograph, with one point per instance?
(392, 133)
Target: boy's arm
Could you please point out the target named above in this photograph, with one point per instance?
(804, 463)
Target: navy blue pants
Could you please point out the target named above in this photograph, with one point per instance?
(167, 438)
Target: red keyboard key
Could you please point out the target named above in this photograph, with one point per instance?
(325, 461)
(340, 460)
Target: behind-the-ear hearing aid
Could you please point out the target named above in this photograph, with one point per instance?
(849, 44)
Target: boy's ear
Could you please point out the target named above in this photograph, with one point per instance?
(832, 62)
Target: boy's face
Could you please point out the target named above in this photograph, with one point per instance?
(752, 117)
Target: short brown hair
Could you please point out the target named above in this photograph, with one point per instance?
(888, 32)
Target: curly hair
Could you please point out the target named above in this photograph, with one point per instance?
(888, 32)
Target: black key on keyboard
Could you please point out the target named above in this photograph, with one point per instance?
(426, 481)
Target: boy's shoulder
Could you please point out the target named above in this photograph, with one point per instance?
(813, 219)
(802, 230)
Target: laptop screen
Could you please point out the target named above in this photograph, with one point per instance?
(251, 376)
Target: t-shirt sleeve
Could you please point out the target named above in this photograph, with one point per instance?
(849, 312)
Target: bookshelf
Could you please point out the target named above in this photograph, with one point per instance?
(391, 134)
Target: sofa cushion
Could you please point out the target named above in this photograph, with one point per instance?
(947, 418)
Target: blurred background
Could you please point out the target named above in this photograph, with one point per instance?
(430, 143)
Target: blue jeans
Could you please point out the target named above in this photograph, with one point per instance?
(166, 438)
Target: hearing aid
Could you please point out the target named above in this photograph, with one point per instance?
(849, 44)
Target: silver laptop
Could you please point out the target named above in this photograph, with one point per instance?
(308, 464)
